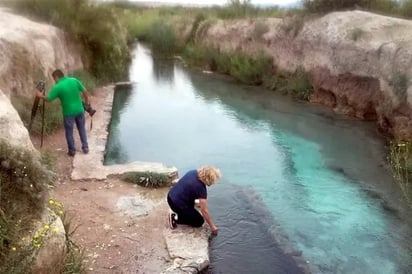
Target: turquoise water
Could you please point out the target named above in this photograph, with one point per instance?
(295, 176)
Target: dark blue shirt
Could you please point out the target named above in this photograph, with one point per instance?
(187, 190)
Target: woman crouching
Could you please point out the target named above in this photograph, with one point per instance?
(181, 198)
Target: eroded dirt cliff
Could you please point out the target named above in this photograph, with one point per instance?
(30, 51)
(359, 63)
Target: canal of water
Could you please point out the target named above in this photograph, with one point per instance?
(297, 179)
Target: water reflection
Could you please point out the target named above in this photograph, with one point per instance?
(163, 71)
(320, 175)
(117, 150)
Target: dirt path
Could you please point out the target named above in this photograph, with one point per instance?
(115, 240)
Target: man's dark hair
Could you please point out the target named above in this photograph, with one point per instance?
(58, 74)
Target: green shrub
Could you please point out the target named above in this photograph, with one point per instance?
(148, 179)
(299, 85)
(53, 118)
(162, 38)
(88, 80)
(333, 5)
(250, 70)
(200, 17)
(23, 190)
(400, 159)
(104, 40)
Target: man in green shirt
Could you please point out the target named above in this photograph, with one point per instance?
(70, 90)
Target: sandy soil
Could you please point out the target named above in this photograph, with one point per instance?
(113, 241)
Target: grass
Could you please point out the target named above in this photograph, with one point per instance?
(89, 80)
(75, 257)
(53, 115)
(103, 41)
(400, 159)
(23, 191)
(148, 179)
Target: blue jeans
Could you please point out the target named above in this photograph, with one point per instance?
(81, 127)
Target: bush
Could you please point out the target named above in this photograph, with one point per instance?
(148, 179)
(88, 80)
(53, 118)
(333, 5)
(104, 40)
(400, 159)
(162, 38)
(23, 190)
(250, 70)
(299, 85)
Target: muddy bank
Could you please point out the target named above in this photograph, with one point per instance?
(359, 63)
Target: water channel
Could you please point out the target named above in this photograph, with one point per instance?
(297, 179)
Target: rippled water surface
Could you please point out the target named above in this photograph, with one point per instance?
(300, 183)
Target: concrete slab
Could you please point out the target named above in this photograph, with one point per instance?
(188, 248)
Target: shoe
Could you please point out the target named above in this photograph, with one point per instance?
(85, 150)
(172, 220)
(71, 153)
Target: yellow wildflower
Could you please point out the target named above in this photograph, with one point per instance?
(13, 248)
(56, 229)
(46, 227)
(51, 202)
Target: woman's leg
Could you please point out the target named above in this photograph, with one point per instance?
(187, 216)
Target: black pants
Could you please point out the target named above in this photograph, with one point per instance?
(187, 216)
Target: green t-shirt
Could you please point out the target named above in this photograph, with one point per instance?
(68, 90)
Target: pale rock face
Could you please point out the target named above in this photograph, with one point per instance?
(355, 60)
(11, 127)
(31, 51)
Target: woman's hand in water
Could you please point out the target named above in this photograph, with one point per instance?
(214, 229)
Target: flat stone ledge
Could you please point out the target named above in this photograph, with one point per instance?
(188, 248)
(90, 166)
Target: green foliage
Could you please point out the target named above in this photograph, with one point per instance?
(406, 8)
(333, 5)
(200, 17)
(162, 38)
(23, 190)
(299, 85)
(53, 118)
(48, 159)
(400, 159)
(104, 40)
(75, 257)
(296, 84)
(89, 81)
(148, 179)
(249, 70)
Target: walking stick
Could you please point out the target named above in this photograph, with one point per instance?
(42, 120)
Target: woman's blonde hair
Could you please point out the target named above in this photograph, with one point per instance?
(208, 175)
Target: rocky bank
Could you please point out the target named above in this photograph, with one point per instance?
(359, 62)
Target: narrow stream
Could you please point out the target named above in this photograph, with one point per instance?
(300, 183)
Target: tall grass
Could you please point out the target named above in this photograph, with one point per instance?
(400, 159)
(96, 27)
(53, 117)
